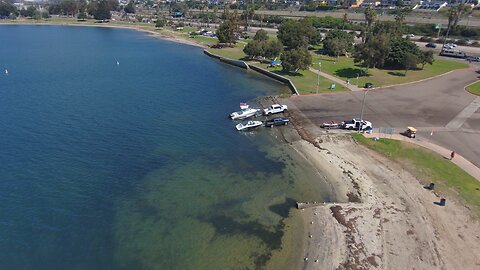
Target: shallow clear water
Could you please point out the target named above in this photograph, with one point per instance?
(107, 166)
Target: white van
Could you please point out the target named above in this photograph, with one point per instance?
(452, 53)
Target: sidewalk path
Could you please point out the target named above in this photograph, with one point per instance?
(458, 160)
(336, 80)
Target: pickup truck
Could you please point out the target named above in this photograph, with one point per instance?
(277, 121)
(354, 124)
(275, 108)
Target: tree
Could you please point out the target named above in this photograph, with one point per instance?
(338, 42)
(6, 9)
(102, 11)
(29, 12)
(399, 47)
(261, 35)
(82, 16)
(410, 61)
(370, 17)
(345, 20)
(255, 48)
(426, 57)
(296, 59)
(372, 53)
(130, 7)
(273, 49)
(298, 34)
(161, 22)
(227, 30)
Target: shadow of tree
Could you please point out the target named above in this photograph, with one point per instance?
(397, 73)
(351, 73)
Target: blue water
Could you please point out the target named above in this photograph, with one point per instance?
(107, 166)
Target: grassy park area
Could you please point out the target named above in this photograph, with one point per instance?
(345, 69)
(432, 167)
(474, 88)
(304, 80)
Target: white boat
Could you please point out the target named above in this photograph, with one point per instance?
(246, 113)
(248, 125)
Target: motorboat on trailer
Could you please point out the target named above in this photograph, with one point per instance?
(244, 113)
(248, 125)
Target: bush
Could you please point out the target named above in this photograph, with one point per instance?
(426, 39)
(475, 44)
(469, 33)
(462, 42)
(440, 40)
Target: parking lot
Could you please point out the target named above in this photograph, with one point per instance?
(440, 105)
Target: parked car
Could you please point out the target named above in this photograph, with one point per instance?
(275, 108)
(411, 35)
(431, 45)
(277, 121)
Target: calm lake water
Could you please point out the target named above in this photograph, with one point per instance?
(135, 165)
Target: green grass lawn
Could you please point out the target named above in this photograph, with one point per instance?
(474, 88)
(232, 53)
(306, 81)
(449, 179)
(345, 69)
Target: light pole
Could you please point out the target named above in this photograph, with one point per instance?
(363, 107)
(357, 78)
(318, 74)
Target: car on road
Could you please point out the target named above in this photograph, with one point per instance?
(431, 45)
(277, 121)
(275, 108)
(473, 59)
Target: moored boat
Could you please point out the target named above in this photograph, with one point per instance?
(248, 125)
(245, 113)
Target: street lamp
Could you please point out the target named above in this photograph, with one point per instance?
(363, 107)
(318, 74)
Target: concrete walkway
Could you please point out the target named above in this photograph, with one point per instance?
(336, 80)
(458, 160)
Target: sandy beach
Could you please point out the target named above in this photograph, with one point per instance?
(384, 218)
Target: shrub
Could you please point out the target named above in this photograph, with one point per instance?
(475, 44)
(462, 42)
(426, 39)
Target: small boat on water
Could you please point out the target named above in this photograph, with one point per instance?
(245, 113)
(248, 125)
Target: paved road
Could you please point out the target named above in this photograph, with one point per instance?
(440, 105)
(414, 18)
